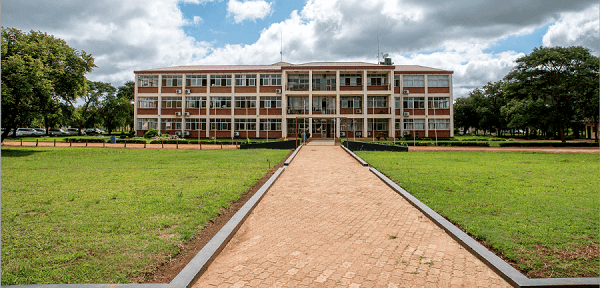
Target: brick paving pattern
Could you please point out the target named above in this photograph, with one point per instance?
(329, 222)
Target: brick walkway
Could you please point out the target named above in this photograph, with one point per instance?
(329, 222)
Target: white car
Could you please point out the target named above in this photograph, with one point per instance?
(56, 132)
(39, 131)
(25, 132)
(74, 132)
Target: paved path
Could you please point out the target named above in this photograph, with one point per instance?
(329, 222)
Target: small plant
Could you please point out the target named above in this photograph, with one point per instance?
(392, 236)
(430, 263)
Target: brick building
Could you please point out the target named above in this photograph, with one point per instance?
(329, 99)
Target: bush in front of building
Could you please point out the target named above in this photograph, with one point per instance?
(548, 144)
(150, 133)
(83, 140)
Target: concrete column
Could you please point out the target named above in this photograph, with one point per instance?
(232, 103)
(426, 107)
(284, 130)
(364, 110)
(135, 104)
(159, 103)
(451, 101)
(208, 105)
(183, 96)
(337, 103)
(310, 95)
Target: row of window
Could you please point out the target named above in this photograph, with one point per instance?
(293, 102)
(215, 124)
(215, 102)
(275, 124)
(300, 81)
(215, 80)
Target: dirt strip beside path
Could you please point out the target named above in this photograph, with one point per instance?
(327, 222)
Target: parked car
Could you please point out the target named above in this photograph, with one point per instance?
(74, 131)
(92, 131)
(56, 132)
(25, 132)
(39, 131)
(12, 131)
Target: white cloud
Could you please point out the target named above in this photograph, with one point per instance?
(248, 10)
(576, 29)
(197, 20)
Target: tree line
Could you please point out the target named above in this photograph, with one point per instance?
(547, 92)
(44, 85)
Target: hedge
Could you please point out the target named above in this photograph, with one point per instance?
(136, 141)
(83, 140)
(549, 144)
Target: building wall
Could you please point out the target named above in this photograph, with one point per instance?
(364, 91)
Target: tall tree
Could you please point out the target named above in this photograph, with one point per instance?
(38, 70)
(560, 78)
(92, 98)
(127, 92)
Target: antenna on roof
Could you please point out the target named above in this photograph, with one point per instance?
(377, 48)
(281, 38)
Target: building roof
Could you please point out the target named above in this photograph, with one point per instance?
(417, 69)
(277, 67)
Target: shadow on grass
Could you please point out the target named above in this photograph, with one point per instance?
(7, 152)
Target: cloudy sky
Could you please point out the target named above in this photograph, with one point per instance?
(478, 40)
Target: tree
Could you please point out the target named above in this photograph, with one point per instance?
(116, 110)
(560, 78)
(94, 93)
(465, 114)
(127, 91)
(37, 71)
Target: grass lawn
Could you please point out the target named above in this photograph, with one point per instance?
(92, 215)
(539, 210)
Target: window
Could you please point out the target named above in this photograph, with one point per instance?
(324, 104)
(245, 80)
(377, 79)
(220, 124)
(270, 79)
(438, 81)
(377, 102)
(146, 123)
(355, 125)
(148, 81)
(396, 80)
(220, 80)
(270, 102)
(439, 102)
(351, 101)
(398, 125)
(397, 102)
(195, 80)
(413, 81)
(380, 124)
(245, 102)
(298, 81)
(298, 104)
(245, 124)
(270, 124)
(302, 124)
(351, 79)
(439, 124)
(171, 80)
(324, 82)
(414, 124)
(220, 102)
(414, 102)
(195, 102)
(171, 102)
(148, 102)
(195, 124)
(170, 124)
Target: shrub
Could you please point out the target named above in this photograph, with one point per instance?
(82, 140)
(150, 133)
(137, 141)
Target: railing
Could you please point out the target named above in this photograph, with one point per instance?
(297, 110)
(379, 110)
(324, 87)
(326, 111)
(296, 87)
(380, 87)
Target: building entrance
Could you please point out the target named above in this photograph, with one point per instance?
(323, 128)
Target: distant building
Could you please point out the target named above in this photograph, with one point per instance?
(329, 99)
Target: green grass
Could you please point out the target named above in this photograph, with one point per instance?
(92, 215)
(539, 210)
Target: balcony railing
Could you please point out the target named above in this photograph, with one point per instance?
(326, 111)
(297, 110)
(296, 87)
(324, 87)
(381, 87)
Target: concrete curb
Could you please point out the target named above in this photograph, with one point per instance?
(361, 161)
(289, 160)
(510, 274)
(200, 262)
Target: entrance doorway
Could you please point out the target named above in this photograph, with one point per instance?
(323, 128)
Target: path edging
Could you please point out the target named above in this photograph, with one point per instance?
(510, 274)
